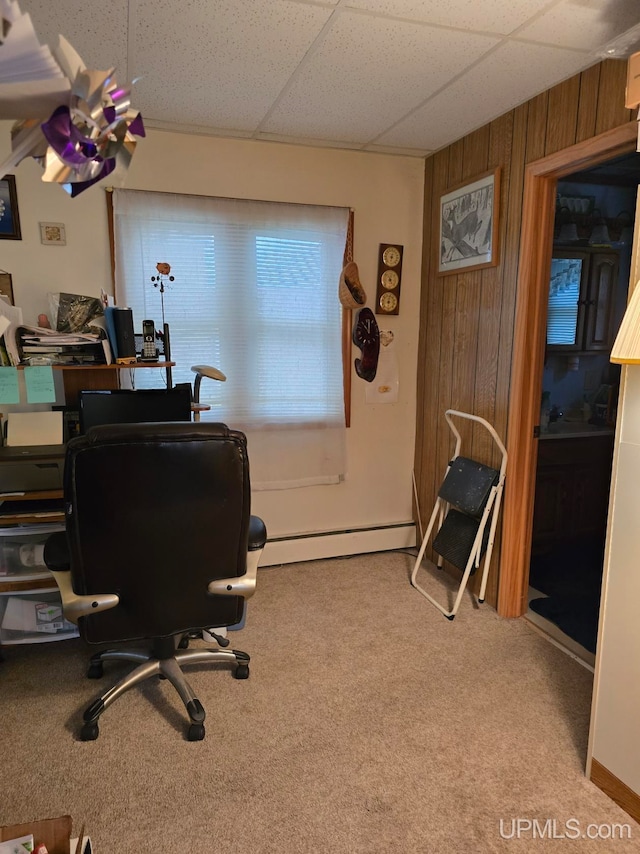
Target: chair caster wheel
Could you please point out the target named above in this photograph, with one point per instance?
(184, 642)
(196, 732)
(96, 670)
(89, 732)
(241, 671)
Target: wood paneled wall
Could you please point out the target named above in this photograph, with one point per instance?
(467, 321)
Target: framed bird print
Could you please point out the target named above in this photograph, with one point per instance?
(469, 218)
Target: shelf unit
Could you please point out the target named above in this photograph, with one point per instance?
(24, 577)
(77, 378)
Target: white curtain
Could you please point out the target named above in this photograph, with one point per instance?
(255, 295)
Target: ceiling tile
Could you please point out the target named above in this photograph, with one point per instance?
(585, 24)
(220, 64)
(395, 75)
(100, 39)
(495, 16)
(511, 75)
(353, 86)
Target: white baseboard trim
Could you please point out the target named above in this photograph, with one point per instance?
(338, 543)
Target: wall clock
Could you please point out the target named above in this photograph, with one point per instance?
(389, 278)
(388, 303)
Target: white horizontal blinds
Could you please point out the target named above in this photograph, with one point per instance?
(255, 295)
(564, 294)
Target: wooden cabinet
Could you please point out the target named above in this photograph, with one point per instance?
(572, 488)
(581, 300)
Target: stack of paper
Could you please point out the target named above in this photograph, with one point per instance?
(63, 348)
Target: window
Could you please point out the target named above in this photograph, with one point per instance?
(255, 295)
(564, 296)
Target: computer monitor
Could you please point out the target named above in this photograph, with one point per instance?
(128, 406)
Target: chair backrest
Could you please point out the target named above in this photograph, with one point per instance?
(154, 512)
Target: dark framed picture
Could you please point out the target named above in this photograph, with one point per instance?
(469, 225)
(9, 216)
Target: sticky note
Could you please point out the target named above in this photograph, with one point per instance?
(40, 386)
(9, 389)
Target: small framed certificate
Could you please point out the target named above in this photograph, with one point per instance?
(53, 234)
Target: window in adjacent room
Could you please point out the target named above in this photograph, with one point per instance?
(255, 295)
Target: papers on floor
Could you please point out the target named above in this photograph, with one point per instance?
(23, 843)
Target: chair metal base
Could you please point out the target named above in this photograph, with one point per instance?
(149, 664)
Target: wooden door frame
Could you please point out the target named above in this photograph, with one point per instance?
(538, 211)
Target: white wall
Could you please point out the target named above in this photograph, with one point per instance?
(385, 192)
(615, 731)
(614, 737)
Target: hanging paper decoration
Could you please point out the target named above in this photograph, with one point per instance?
(77, 123)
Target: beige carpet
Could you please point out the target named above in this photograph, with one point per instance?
(370, 723)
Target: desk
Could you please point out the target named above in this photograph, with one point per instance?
(23, 521)
(77, 378)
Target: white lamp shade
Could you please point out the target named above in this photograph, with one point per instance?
(626, 347)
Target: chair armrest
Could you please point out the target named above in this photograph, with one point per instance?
(56, 557)
(244, 585)
(209, 371)
(257, 533)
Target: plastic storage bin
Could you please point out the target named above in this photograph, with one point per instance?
(21, 553)
(33, 617)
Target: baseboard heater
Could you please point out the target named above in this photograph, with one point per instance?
(324, 544)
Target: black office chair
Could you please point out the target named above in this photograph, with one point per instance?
(159, 543)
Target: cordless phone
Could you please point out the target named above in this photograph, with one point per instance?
(149, 351)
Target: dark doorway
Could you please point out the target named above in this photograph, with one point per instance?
(587, 295)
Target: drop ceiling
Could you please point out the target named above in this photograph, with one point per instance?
(397, 76)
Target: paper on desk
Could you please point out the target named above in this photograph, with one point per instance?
(34, 428)
(52, 336)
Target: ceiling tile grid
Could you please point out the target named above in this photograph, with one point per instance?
(101, 40)
(397, 76)
(488, 16)
(222, 63)
(512, 74)
(583, 24)
(367, 74)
